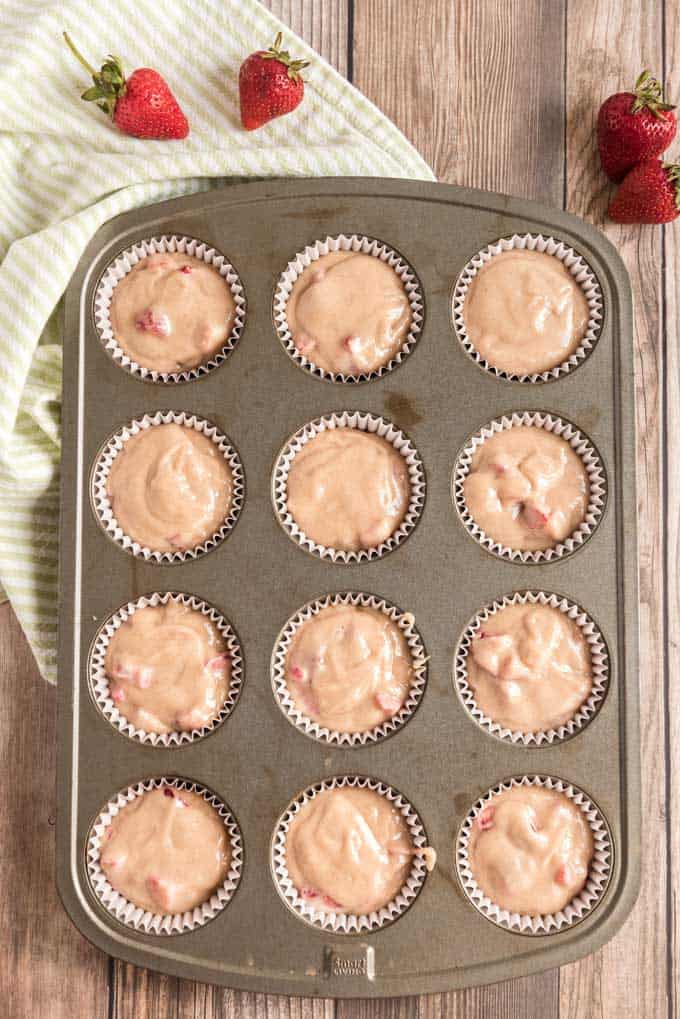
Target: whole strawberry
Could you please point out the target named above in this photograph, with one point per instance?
(632, 126)
(650, 193)
(269, 85)
(141, 105)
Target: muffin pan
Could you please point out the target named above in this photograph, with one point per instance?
(442, 762)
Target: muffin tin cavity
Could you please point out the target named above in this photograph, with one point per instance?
(113, 446)
(328, 917)
(372, 425)
(125, 262)
(359, 244)
(582, 904)
(599, 664)
(406, 624)
(580, 444)
(99, 680)
(579, 269)
(159, 923)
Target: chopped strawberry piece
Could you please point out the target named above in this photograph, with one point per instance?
(298, 673)
(117, 694)
(331, 903)
(498, 469)
(309, 893)
(485, 819)
(163, 891)
(110, 862)
(564, 875)
(481, 635)
(304, 343)
(175, 540)
(389, 702)
(352, 343)
(534, 518)
(186, 269)
(168, 792)
(218, 662)
(158, 324)
(108, 832)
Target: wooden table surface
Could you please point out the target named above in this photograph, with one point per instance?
(497, 94)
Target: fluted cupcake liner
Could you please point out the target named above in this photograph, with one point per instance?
(367, 246)
(582, 274)
(599, 661)
(582, 904)
(406, 624)
(114, 445)
(99, 681)
(581, 445)
(350, 923)
(134, 916)
(125, 262)
(374, 426)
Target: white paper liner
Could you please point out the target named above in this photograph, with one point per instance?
(579, 269)
(113, 446)
(126, 261)
(367, 246)
(581, 445)
(366, 423)
(599, 662)
(134, 916)
(406, 624)
(349, 923)
(582, 904)
(99, 683)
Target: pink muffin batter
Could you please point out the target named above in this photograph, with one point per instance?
(171, 311)
(166, 851)
(530, 850)
(527, 488)
(349, 668)
(529, 668)
(348, 313)
(524, 312)
(170, 488)
(348, 850)
(168, 668)
(348, 489)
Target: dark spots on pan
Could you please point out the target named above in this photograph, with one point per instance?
(589, 418)
(462, 802)
(322, 213)
(402, 409)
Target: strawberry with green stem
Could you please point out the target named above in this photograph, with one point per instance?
(269, 85)
(141, 105)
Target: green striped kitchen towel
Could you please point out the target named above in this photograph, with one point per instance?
(65, 170)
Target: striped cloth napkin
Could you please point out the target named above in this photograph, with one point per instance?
(65, 170)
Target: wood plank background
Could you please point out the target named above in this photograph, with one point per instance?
(500, 96)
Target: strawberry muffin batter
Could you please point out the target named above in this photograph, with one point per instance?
(530, 850)
(170, 488)
(347, 489)
(348, 313)
(527, 489)
(171, 312)
(524, 312)
(168, 668)
(529, 668)
(348, 850)
(166, 851)
(349, 668)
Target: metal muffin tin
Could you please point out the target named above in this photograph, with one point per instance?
(441, 760)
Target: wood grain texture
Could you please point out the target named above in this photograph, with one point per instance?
(606, 45)
(46, 966)
(321, 23)
(453, 75)
(671, 444)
